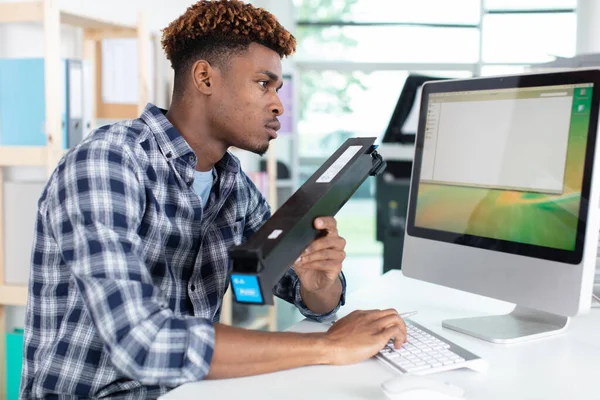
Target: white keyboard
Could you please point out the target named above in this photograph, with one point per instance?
(427, 353)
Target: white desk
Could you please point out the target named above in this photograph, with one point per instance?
(565, 366)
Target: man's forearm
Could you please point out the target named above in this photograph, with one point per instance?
(323, 301)
(239, 352)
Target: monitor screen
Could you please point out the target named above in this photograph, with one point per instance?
(503, 168)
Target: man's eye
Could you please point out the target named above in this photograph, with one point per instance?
(263, 83)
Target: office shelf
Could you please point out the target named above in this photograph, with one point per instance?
(18, 156)
(34, 11)
(268, 321)
(48, 14)
(13, 295)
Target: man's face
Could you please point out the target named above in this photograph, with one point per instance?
(244, 103)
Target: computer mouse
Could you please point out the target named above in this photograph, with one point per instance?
(412, 387)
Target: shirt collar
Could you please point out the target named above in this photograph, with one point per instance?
(172, 144)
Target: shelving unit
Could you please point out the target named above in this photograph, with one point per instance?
(48, 13)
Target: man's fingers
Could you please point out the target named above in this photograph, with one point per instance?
(390, 320)
(327, 223)
(323, 265)
(322, 255)
(399, 341)
(388, 333)
(387, 312)
(326, 242)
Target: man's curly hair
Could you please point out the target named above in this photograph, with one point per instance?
(213, 30)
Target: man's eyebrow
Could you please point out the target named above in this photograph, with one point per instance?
(272, 76)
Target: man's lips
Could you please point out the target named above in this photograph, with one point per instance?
(274, 125)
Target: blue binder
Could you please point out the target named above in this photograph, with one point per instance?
(14, 363)
(23, 102)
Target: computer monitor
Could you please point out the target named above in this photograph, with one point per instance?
(504, 197)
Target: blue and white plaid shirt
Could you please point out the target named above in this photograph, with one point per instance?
(128, 270)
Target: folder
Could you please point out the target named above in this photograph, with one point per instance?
(23, 102)
(74, 90)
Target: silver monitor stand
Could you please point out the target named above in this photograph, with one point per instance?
(519, 325)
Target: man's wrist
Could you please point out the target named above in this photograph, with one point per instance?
(322, 301)
(324, 349)
(324, 290)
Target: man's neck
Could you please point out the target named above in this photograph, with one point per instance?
(196, 131)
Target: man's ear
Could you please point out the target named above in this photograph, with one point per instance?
(203, 76)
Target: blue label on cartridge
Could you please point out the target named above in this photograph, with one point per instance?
(246, 289)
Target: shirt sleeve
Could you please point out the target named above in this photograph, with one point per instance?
(288, 287)
(95, 215)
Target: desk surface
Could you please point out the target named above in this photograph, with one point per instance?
(564, 366)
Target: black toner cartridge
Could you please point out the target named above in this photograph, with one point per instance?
(259, 263)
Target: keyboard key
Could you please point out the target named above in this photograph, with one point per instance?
(424, 352)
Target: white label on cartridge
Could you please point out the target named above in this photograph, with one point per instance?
(275, 234)
(340, 163)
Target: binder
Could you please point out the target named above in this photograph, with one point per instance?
(23, 102)
(88, 98)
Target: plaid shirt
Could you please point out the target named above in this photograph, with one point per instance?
(128, 270)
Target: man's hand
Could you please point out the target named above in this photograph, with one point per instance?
(354, 338)
(361, 335)
(319, 267)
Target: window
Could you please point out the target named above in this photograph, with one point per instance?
(379, 44)
(492, 70)
(492, 139)
(529, 4)
(338, 105)
(465, 12)
(354, 56)
(531, 38)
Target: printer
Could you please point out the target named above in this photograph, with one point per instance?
(393, 185)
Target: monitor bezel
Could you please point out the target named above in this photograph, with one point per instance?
(506, 82)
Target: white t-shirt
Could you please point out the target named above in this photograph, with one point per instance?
(203, 181)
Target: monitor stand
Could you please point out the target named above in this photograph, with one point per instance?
(520, 325)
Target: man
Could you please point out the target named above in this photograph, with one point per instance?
(130, 256)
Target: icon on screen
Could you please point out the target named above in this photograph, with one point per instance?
(580, 108)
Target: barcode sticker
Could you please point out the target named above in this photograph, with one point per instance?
(275, 234)
(340, 163)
